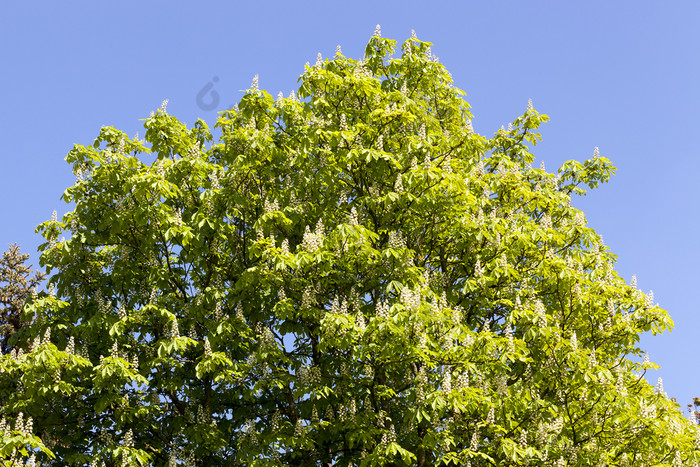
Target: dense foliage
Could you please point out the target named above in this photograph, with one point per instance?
(347, 276)
(17, 283)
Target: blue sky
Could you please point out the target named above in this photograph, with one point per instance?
(622, 75)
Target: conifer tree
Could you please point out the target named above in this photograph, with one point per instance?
(16, 285)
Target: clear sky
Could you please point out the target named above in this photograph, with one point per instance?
(621, 75)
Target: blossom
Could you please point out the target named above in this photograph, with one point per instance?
(410, 298)
(19, 422)
(478, 271)
(360, 321)
(509, 336)
(474, 444)
(311, 241)
(382, 310)
(353, 216)
(29, 426)
(396, 240)
(129, 438)
(398, 185)
(214, 180)
(377, 31)
(504, 260)
(660, 387)
(649, 299)
(619, 384)
(522, 441)
(446, 386)
(592, 360)
(546, 221)
(254, 84)
(468, 126)
(164, 106)
(541, 314)
(276, 420)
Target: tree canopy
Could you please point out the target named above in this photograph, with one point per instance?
(346, 276)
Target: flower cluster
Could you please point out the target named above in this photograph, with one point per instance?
(360, 321)
(541, 314)
(478, 271)
(309, 376)
(271, 206)
(174, 330)
(592, 360)
(353, 217)
(128, 439)
(308, 299)
(509, 336)
(660, 387)
(382, 310)
(396, 240)
(312, 241)
(446, 386)
(70, 348)
(410, 298)
(389, 436)
(267, 339)
(620, 383)
(546, 221)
